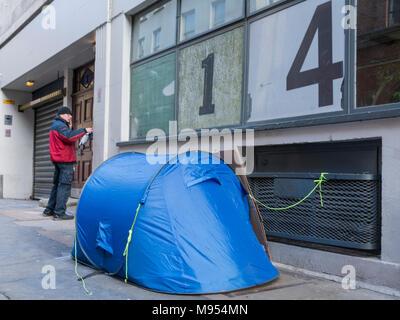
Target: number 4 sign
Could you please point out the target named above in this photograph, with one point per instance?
(326, 71)
(297, 61)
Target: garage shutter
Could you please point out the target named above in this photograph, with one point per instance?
(43, 168)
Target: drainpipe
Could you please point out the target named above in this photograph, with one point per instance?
(107, 80)
(1, 187)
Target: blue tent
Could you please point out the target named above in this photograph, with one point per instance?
(195, 230)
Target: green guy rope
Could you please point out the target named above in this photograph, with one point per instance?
(76, 269)
(318, 185)
(128, 243)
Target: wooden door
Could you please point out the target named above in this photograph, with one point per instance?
(82, 112)
(83, 118)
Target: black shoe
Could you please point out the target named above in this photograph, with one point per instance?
(47, 213)
(63, 217)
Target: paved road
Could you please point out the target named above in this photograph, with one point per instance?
(30, 242)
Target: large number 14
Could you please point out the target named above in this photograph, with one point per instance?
(326, 71)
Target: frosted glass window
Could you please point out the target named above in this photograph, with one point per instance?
(152, 96)
(211, 76)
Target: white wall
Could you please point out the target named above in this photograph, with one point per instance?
(119, 83)
(16, 153)
(100, 97)
(130, 6)
(34, 44)
(14, 13)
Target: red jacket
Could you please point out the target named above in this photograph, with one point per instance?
(62, 141)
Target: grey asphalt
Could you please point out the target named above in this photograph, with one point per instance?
(30, 242)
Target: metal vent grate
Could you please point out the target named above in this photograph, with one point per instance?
(348, 218)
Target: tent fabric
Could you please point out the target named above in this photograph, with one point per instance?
(193, 233)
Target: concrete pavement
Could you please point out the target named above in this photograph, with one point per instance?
(30, 243)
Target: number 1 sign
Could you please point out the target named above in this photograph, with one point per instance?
(210, 77)
(296, 63)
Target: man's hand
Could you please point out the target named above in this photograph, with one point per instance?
(70, 124)
(89, 130)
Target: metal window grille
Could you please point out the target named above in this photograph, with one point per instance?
(349, 216)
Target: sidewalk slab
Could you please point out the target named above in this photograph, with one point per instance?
(70, 203)
(29, 242)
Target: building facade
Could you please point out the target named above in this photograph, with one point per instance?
(315, 82)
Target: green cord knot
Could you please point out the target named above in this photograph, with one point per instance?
(318, 182)
(128, 242)
(89, 293)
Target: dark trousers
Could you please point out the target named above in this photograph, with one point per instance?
(61, 191)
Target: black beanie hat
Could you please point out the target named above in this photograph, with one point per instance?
(64, 110)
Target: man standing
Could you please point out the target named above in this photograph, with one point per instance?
(62, 154)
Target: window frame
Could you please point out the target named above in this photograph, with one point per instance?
(183, 33)
(393, 14)
(143, 62)
(350, 112)
(141, 42)
(213, 22)
(295, 121)
(156, 36)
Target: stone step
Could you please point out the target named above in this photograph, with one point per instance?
(72, 202)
